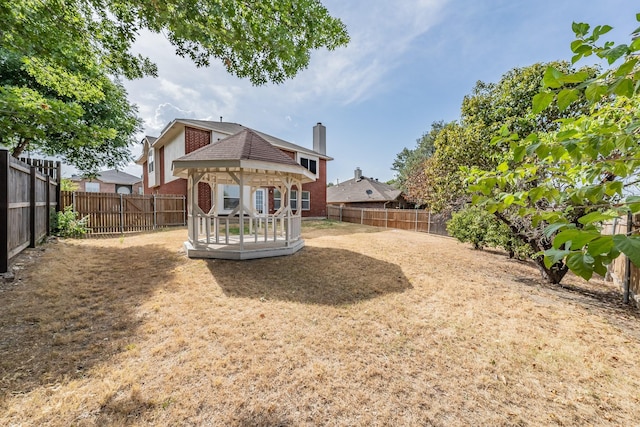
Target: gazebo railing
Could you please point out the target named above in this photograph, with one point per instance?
(225, 230)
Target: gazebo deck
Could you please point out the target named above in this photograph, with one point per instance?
(248, 250)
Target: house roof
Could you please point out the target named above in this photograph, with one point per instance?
(147, 142)
(113, 176)
(244, 145)
(362, 190)
(229, 128)
(245, 149)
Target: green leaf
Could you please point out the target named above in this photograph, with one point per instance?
(595, 217)
(625, 87)
(536, 194)
(602, 29)
(503, 167)
(541, 101)
(552, 78)
(594, 92)
(578, 77)
(626, 68)
(580, 28)
(578, 238)
(612, 55)
(581, 264)
(518, 152)
(628, 245)
(566, 97)
(551, 256)
(552, 228)
(601, 245)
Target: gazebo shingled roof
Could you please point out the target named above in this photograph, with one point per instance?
(245, 149)
(244, 145)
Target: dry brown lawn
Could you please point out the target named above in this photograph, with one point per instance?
(364, 326)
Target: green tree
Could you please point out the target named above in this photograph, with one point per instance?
(87, 134)
(489, 107)
(409, 161)
(557, 187)
(61, 58)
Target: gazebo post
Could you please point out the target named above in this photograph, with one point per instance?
(241, 216)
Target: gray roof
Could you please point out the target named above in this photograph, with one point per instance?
(113, 176)
(244, 145)
(233, 128)
(362, 190)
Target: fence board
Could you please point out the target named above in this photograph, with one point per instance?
(111, 213)
(618, 268)
(27, 192)
(404, 219)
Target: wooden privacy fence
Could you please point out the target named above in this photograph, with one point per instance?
(111, 213)
(403, 219)
(622, 271)
(29, 192)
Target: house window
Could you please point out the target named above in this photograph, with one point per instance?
(92, 187)
(276, 199)
(310, 164)
(231, 196)
(150, 160)
(306, 200)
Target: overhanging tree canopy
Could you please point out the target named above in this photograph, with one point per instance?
(68, 52)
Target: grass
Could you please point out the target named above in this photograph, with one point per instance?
(364, 326)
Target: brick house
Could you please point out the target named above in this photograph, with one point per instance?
(369, 193)
(111, 181)
(183, 136)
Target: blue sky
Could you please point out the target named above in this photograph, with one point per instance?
(409, 63)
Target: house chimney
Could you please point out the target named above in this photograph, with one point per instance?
(320, 139)
(357, 174)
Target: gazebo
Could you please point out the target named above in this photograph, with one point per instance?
(247, 160)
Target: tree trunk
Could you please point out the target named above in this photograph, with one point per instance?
(551, 275)
(18, 149)
(554, 274)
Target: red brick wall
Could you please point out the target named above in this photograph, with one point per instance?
(145, 179)
(318, 193)
(177, 186)
(194, 139)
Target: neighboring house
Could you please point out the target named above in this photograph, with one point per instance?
(183, 136)
(111, 181)
(363, 192)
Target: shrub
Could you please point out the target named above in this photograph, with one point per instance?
(480, 228)
(470, 226)
(68, 224)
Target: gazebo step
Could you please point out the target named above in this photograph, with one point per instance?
(213, 251)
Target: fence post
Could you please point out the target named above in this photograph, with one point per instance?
(184, 211)
(121, 215)
(361, 216)
(416, 223)
(4, 211)
(59, 187)
(627, 270)
(32, 206)
(155, 212)
(73, 201)
(386, 218)
(340, 213)
(429, 223)
(48, 210)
